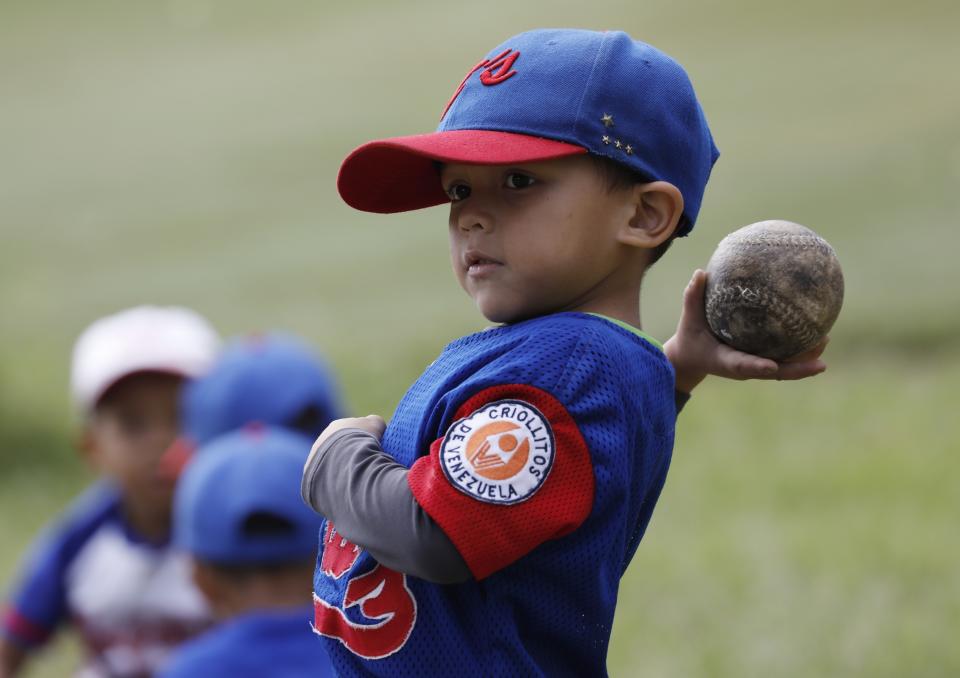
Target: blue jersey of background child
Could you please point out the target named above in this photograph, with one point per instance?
(539, 447)
(239, 516)
(231, 419)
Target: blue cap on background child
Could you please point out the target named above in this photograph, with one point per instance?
(609, 95)
(239, 501)
(274, 379)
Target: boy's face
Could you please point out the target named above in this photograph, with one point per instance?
(537, 238)
(131, 427)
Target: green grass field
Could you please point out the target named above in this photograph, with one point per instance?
(185, 152)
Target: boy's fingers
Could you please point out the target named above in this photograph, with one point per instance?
(806, 364)
(800, 370)
(819, 353)
(736, 364)
(692, 313)
(376, 423)
(372, 423)
(693, 294)
(813, 354)
(740, 365)
(752, 367)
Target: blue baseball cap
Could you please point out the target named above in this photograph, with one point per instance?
(272, 379)
(542, 95)
(239, 501)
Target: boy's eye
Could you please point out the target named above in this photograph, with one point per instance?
(458, 192)
(518, 180)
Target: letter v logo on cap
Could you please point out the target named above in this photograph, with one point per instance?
(495, 71)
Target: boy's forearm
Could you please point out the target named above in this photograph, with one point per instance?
(364, 492)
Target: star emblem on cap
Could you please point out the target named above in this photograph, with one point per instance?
(605, 139)
(607, 120)
(618, 143)
(629, 149)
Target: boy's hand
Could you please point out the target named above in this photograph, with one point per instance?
(695, 353)
(372, 424)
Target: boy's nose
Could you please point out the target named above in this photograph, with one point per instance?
(474, 219)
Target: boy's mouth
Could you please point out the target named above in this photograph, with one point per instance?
(478, 263)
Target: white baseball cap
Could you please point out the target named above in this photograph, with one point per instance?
(168, 339)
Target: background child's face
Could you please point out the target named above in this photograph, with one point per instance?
(537, 238)
(133, 424)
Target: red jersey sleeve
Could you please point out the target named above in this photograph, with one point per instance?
(512, 472)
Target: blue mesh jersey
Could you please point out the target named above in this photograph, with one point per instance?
(540, 448)
(275, 643)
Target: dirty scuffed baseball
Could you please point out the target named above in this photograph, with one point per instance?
(774, 289)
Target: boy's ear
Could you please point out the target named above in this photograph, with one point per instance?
(86, 443)
(658, 206)
(208, 582)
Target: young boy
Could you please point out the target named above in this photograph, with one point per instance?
(274, 379)
(106, 566)
(252, 541)
(485, 530)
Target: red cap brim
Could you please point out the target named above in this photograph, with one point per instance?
(400, 174)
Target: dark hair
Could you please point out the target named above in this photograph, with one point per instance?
(108, 398)
(262, 525)
(617, 177)
(266, 524)
(311, 420)
(241, 572)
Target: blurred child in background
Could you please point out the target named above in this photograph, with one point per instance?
(251, 537)
(106, 565)
(239, 514)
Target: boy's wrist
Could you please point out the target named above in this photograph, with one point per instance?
(686, 383)
(686, 378)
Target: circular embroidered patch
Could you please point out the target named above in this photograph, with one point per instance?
(500, 454)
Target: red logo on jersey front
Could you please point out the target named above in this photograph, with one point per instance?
(339, 555)
(495, 71)
(382, 596)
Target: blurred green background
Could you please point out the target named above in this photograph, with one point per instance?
(185, 152)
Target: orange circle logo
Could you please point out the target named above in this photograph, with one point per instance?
(495, 453)
(501, 453)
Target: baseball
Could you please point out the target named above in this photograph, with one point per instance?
(774, 289)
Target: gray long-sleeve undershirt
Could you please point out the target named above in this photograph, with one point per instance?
(351, 481)
(364, 492)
